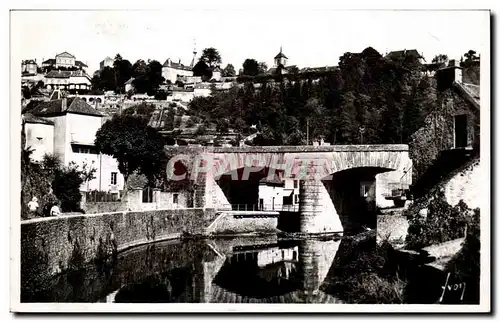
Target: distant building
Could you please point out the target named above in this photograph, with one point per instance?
(280, 67)
(279, 194)
(67, 127)
(64, 60)
(129, 85)
(107, 62)
(216, 74)
(29, 67)
(64, 79)
(403, 54)
(173, 71)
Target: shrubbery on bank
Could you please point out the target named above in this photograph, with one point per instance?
(437, 221)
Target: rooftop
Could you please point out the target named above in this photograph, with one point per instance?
(65, 54)
(401, 53)
(30, 118)
(169, 63)
(55, 107)
(280, 54)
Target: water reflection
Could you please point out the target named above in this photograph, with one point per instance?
(239, 270)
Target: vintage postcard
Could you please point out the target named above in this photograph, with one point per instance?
(231, 160)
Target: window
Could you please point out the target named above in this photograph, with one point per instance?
(176, 198)
(113, 177)
(295, 184)
(460, 131)
(296, 199)
(364, 190)
(147, 195)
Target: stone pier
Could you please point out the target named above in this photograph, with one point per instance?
(317, 211)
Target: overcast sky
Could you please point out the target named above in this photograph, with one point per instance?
(309, 37)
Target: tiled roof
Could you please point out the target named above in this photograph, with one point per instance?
(317, 69)
(68, 54)
(176, 65)
(400, 53)
(28, 61)
(280, 55)
(64, 73)
(58, 74)
(54, 107)
(129, 82)
(80, 64)
(50, 61)
(30, 118)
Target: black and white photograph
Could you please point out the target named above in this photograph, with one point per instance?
(253, 158)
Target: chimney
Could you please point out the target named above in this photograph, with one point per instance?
(64, 104)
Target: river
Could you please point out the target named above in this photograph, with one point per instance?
(264, 269)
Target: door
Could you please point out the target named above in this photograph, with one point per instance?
(461, 131)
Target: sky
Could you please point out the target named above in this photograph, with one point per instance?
(309, 37)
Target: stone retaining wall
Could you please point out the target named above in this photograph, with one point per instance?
(52, 245)
(249, 222)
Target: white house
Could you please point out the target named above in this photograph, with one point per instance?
(65, 60)
(74, 124)
(62, 79)
(173, 71)
(279, 194)
(39, 136)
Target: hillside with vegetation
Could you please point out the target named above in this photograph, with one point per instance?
(367, 99)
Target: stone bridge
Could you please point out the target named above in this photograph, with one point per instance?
(334, 181)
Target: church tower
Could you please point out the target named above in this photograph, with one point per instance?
(280, 59)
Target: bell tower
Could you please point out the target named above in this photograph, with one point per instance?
(280, 58)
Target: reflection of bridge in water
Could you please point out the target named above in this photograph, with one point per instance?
(274, 272)
(249, 270)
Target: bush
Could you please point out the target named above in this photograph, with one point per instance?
(442, 223)
(66, 187)
(362, 274)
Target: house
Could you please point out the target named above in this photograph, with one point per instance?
(172, 71)
(66, 79)
(129, 85)
(450, 135)
(29, 67)
(67, 127)
(399, 55)
(216, 74)
(39, 136)
(64, 60)
(278, 194)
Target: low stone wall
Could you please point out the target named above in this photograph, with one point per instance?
(239, 223)
(55, 244)
(100, 207)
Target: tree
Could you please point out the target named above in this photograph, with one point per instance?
(66, 186)
(141, 110)
(470, 55)
(201, 69)
(105, 80)
(123, 72)
(229, 71)
(250, 67)
(262, 68)
(211, 57)
(133, 143)
(441, 58)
